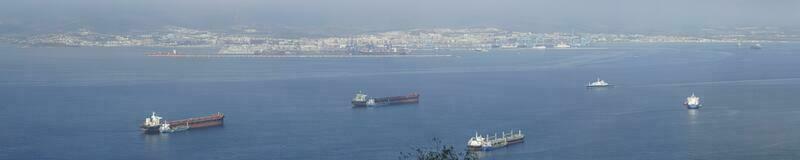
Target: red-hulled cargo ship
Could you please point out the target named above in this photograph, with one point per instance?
(362, 100)
(154, 124)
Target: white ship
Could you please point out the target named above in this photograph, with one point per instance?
(166, 128)
(692, 102)
(486, 143)
(480, 50)
(755, 46)
(241, 49)
(562, 45)
(598, 83)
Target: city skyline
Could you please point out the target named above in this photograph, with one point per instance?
(254, 41)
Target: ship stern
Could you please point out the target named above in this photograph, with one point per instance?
(151, 129)
(359, 103)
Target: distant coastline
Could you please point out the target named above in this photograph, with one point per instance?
(297, 56)
(477, 39)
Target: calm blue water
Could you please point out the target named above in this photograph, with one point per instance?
(86, 103)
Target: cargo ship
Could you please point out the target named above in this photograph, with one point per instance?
(155, 124)
(486, 143)
(362, 100)
(692, 102)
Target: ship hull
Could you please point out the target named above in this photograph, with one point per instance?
(688, 106)
(359, 103)
(474, 148)
(150, 130)
(201, 122)
(515, 141)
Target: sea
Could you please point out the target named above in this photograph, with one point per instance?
(87, 103)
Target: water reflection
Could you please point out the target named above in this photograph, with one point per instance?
(504, 152)
(598, 88)
(693, 113)
(480, 154)
(156, 139)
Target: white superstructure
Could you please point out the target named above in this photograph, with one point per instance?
(693, 100)
(166, 128)
(562, 45)
(360, 97)
(152, 121)
(598, 83)
(477, 142)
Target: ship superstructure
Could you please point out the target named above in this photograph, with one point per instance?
(598, 83)
(152, 124)
(692, 102)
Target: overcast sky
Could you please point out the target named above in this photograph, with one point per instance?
(566, 15)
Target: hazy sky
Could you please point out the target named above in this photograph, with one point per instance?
(565, 15)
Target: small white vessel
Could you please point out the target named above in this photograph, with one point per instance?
(755, 46)
(692, 102)
(598, 83)
(562, 45)
(480, 50)
(166, 128)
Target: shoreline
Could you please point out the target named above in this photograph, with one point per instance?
(297, 56)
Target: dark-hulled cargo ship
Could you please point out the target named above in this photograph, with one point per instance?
(362, 100)
(154, 124)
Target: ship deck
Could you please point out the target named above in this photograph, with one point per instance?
(213, 117)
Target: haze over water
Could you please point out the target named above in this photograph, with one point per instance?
(86, 103)
(355, 16)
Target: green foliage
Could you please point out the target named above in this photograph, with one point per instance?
(437, 151)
